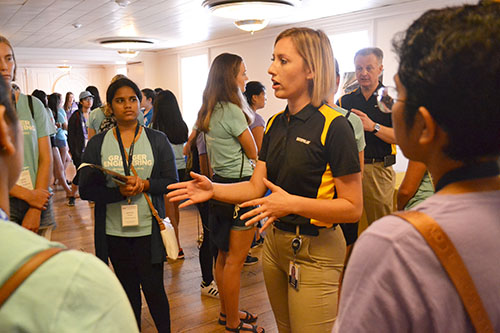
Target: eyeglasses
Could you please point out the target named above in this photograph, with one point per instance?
(386, 97)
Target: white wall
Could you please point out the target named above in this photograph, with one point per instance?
(50, 79)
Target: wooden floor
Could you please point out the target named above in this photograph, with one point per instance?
(189, 311)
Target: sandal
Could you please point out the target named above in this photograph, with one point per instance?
(249, 318)
(241, 328)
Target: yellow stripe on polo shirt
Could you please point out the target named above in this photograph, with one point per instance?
(270, 122)
(326, 189)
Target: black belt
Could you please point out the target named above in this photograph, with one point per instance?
(373, 160)
(304, 229)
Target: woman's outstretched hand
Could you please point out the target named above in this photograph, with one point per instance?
(198, 190)
(274, 206)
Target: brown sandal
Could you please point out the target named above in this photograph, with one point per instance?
(241, 328)
(249, 318)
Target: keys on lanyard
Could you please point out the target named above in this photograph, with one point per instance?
(294, 268)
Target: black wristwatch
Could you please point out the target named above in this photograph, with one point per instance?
(376, 128)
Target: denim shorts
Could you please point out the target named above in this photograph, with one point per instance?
(61, 143)
(18, 209)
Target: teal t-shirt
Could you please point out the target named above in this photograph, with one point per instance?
(425, 190)
(224, 150)
(96, 117)
(357, 125)
(71, 292)
(143, 161)
(33, 129)
(61, 119)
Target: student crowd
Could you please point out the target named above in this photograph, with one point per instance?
(304, 177)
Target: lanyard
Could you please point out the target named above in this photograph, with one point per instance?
(127, 163)
(468, 172)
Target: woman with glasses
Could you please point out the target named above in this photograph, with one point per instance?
(445, 115)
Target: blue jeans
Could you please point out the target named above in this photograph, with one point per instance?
(18, 209)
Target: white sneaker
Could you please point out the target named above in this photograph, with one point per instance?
(211, 290)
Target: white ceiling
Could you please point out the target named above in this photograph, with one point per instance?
(47, 24)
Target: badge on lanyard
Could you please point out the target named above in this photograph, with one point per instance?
(25, 180)
(130, 215)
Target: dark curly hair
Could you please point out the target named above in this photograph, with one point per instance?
(450, 64)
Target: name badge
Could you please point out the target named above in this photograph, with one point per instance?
(25, 180)
(130, 216)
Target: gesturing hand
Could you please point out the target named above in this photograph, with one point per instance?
(368, 124)
(198, 190)
(274, 206)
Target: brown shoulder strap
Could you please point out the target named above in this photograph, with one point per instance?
(16, 279)
(452, 263)
(148, 199)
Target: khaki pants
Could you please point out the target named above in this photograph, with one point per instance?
(312, 308)
(378, 191)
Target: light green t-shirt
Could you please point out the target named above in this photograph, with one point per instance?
(224, 150)
(96, 117)
(180, 162)
(357, 125)
(143, 162)
(425, 190)
(33, 129)
(61, 119)
(71, 292)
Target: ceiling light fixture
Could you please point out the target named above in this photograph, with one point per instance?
(126, 43)
(249, 9)
(123, 3)
(129, 54)
(251, 25)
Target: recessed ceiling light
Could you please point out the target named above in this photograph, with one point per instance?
(77, 25)
(126, 43)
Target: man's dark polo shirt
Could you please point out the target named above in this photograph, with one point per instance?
(303, 154)
(375, 147)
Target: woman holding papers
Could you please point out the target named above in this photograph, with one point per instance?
(125, 229)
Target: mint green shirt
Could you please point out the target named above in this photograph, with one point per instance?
(71, 292)
(357, 125)
(33, 129)
(224, 150)
(180, 162)
(425, 190)
(143, 161)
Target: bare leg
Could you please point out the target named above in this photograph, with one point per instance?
(239, 245)
(59, 172)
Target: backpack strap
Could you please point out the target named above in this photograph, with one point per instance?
(16, 279)
(453, 264)
(30, 103)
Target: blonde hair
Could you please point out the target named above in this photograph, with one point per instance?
(6, 41)
(222, 87)
(315, 49)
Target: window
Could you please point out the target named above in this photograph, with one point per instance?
(345, 45)
(194, 72)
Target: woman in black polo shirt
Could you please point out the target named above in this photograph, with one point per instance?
(309, 161)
